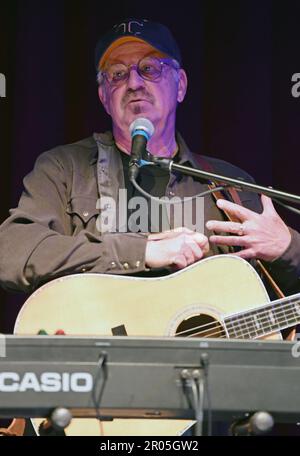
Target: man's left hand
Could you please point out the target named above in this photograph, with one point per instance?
(263, 236)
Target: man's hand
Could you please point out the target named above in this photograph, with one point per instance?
(179, 248)
(263, 236)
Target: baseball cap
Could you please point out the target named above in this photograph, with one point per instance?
(153, 33)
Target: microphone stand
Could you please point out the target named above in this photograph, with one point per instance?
(169, 165)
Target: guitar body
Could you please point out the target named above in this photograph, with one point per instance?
(97, 304)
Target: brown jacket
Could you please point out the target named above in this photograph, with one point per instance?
(53, 231)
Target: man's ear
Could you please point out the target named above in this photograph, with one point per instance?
(182, 85)
(103, 97)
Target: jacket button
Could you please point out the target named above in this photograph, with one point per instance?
(113, 264)
(138, 263)
(125, 265)
(83, 269)
(85, 214)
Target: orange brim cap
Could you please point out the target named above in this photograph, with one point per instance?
(114, 45)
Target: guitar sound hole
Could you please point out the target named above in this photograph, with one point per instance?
(201, 325)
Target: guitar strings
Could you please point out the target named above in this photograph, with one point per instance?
(214, 326)
(260, 319)
(264, 322)
(239, 329)
(221, 332)
(267, 330)
(235, 336)
(282, 317)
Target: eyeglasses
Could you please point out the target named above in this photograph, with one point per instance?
(149, 68)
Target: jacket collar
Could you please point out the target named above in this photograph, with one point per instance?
(106, 140)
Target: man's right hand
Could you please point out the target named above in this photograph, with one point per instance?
(179, 248)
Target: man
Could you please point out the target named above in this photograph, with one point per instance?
(55, 230)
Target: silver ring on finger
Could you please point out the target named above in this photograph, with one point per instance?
(241, 230)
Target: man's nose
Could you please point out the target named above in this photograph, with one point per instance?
(134, 79)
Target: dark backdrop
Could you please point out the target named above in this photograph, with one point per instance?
(240, 57)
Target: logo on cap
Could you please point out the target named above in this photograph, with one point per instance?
(129, 27)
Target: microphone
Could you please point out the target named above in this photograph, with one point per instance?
(259, 423)
(141, 131)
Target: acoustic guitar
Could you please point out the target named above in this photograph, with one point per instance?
(220, 296)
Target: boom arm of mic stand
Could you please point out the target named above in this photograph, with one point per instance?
(237, 183)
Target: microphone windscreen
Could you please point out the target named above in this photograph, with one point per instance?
(141, 124)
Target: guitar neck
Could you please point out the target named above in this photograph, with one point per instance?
(275, 316)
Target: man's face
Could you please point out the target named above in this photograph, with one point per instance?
(137, 97)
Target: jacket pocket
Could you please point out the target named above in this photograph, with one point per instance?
(83, 212)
